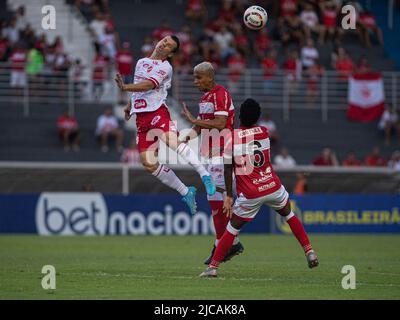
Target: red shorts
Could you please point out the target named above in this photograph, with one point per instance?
(151, 125)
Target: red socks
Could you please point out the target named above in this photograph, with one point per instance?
(298, 230)
(224, 244)
(219, 218)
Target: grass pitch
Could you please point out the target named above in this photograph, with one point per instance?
(167, 267)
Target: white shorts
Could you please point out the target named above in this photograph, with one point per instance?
(247, 209)
(217, 174)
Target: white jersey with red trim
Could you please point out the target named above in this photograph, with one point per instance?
(253, 170)
(160, 73)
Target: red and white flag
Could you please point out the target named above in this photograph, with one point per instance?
(366, 97)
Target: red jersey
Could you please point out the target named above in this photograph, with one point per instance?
(99, 68)
(270, 66)
(288, 8)
(162, 32)
(194, 5)
(329, 18)
(262, 42)
(64, 123)
(368, 20)
(345, 68)
(216, 102)
(253, 170)
(18, 60)
(125, 63)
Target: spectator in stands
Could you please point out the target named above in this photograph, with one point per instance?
(68, 132)
(5, 49)
(163, 31)
(76, 74)
(284, 159)
(329, 12)
(288, 31)
(58, 45)
(368, 22)
(292, 68)
(363, 65)
(224, 40)
(394, 161)
(327, 158)
(131, 155)
(288, 9)
(10, 32)
(267, 122)
(241, 41)
(124, 60)
(309, 54)
(41, 42)
(301, 184)
(227, 13)
(99, 76)
(313, 74)
(97, 28)
(186, 47)
(389, 123)
(261, 43)
(351, 160)
(343, 65)
(108, 44)
(270, 67)
(20, 18)
(35, 62)
(236, 67)
(310, 21)
(107, 126)
(18, 60)
(206, 44)
(196, 11)
(375, 159)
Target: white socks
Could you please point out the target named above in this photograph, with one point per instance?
(169, 178)
(186, 153)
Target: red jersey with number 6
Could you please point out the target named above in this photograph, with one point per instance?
(253, 170)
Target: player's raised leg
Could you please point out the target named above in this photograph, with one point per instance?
(298, 230)
(169, 178)
(171, 140)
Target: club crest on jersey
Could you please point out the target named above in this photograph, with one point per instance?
(155, 120)
(206, 107)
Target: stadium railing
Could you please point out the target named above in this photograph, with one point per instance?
(125, 179)
(328, 93)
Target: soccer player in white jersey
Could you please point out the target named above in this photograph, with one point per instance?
(152, 80)
(256, 184)
(216, 115)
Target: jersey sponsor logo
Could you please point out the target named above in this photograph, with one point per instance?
(263, 179)
(155, 120)
(249, 132)
(206, 107)
(140, 104)
(161, 73)
(267, 186)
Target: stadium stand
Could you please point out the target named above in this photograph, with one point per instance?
(305, 129)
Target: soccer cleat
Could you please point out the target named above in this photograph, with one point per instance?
(190, 200)
(209, 184)
(208, 260)
(312, 259)
(234, 251)
(210, 272)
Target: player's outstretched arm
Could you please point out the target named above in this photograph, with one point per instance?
(218, 123)
(145, 85)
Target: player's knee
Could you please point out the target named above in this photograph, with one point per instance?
(150, 167)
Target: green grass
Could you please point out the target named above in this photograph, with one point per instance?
(272, 267)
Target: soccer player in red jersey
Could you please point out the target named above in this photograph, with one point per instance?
(256, 184)
(216, 113)
(152, 79)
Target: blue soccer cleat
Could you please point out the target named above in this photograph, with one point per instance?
(190, 199)
(209, 184)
